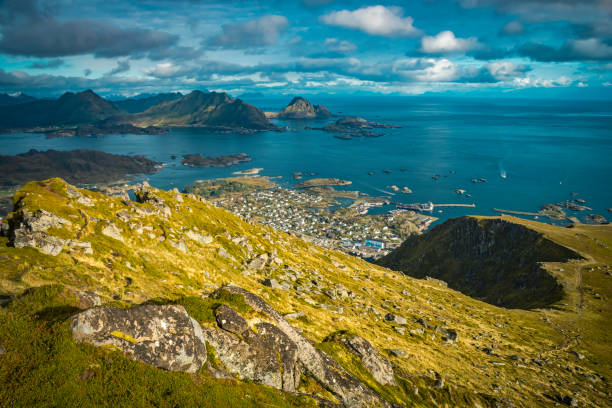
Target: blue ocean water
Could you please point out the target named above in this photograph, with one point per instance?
(546, 149)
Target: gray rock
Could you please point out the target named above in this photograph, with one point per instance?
(417, 332)
(272, 283)
(30, 231)
(317, 364)
(112, 231)
(86, 201)
(258, 262)
(379, 367)
(390, 317)
(47, 244)
(2, 350)
(163, 336)
(180, 245)
(293, 316)
(201, 238)
(228, 319)
(83, 246)
(397, 352)
(264, 355)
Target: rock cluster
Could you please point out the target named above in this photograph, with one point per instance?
(259, 346)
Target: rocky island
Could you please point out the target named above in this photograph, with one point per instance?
(197, 160)
(102, 129)
(348, 127)
(319, 182)
(300, 108)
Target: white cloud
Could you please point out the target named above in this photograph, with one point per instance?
(505, 70)
(164, 70)
(334, 44)
(531, 82)
(427, 69)
(446, 43)
(375, 20)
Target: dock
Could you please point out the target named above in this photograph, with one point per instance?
(429, 206)
(455, 205)
(516, 212)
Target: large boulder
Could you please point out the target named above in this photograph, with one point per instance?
(263, 353)
(163, 336)
(379, 367)
(325, 370)
(29, 229)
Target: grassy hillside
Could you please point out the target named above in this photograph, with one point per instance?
(501, 357)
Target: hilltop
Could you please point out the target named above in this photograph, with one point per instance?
(204, 109)
(141, 103)
(352, 333)
(300, 108)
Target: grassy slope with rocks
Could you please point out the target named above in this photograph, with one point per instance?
(502, 356)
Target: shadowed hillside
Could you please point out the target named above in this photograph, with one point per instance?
(494, 260)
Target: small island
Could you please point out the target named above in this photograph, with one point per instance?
(197, 160)
(321, 182)
(348, 127)
(100, 130)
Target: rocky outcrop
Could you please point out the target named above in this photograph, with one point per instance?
(258, 345)
(27, 229)
(380, 368)
(300, 108)
(163, 336)
(491, 259)
(325, 370)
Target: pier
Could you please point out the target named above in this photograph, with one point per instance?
(455, 205)
(428, 206)
(516, 212)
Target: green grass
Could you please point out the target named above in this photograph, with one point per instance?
(43, 367)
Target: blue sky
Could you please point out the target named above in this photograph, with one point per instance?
(409, 47)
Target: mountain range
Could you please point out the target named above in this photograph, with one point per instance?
(217, 110)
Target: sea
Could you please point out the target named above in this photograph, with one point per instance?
(531, 152)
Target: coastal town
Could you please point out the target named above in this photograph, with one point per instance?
(323, 221)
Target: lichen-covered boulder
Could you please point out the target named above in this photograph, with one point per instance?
(228, 319)
(377, 365)
(163, 336)
(263, 354)
(325, 370)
